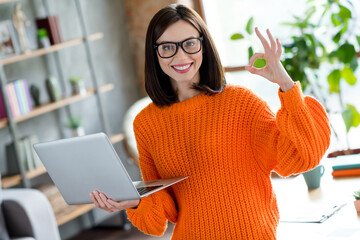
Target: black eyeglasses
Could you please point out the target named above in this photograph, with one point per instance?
(169, 49)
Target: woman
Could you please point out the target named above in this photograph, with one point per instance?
(223, 136)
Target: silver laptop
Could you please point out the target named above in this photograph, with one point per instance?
(83, 164)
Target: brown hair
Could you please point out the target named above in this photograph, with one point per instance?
(157, 83)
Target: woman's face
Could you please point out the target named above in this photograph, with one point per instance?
(182, 68)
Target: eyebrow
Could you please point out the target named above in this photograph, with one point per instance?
(177, 42)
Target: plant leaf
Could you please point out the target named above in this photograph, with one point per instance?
(344, 12)
(346, 53)
(358, 39)
(351, 117)
(348, 74)
(337, 37)
(250, 52)
(334, 81)
(237, 36)
(309, 12)
(290, 24)
(249, 26)
(335, 19)
(354, 63)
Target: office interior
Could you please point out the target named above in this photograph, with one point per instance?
(103, 44)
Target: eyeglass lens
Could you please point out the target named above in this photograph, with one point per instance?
(190, 46)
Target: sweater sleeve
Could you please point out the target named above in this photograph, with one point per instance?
(295, 139)
(153, 211)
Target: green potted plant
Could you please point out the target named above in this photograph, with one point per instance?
(323, 46)
(357, 200)
(77, 85)
(75, 123)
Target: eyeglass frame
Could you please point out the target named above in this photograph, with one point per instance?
(177, 44)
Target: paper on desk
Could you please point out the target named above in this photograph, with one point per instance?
(309, 214)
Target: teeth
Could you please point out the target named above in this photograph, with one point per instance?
(182, 67)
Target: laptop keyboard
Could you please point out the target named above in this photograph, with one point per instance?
(143, 190)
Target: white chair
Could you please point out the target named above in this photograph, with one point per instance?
(26, 214)
(129, 141)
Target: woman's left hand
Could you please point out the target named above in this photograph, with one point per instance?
(274, 70)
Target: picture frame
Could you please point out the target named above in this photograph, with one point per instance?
(8, 43)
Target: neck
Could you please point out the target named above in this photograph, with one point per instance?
(189, 93)
(186, 91)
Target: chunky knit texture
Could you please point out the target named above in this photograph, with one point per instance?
(228, 144)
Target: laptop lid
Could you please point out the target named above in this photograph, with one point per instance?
(83, 164)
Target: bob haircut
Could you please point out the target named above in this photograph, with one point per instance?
(157, 83)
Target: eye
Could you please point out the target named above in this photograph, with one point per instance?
(190, 43)
(167, 47)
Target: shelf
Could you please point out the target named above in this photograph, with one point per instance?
(52, 48)
(11, 181)
(63, 212)
(14, 180)
(48, 107)
(7, 1)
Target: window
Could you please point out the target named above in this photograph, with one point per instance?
(227, 17)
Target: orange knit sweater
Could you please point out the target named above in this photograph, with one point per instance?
(228, 144)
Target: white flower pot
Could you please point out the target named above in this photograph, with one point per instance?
(80, 131)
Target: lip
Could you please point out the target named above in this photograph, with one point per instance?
(181, 68)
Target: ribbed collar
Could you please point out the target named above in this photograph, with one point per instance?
(183, 106)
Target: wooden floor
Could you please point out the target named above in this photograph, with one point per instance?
(106, 233)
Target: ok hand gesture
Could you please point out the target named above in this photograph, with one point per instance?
(274, 70)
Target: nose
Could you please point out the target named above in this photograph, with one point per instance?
(180, 52)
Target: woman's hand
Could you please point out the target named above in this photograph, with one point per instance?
(274, 70)
(103, 202)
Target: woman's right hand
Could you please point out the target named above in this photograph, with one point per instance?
(103, 202)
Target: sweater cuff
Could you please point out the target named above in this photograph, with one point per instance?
(144, 206)
(149, 216)
(292, 99)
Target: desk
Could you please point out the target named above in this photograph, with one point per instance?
(292, 193)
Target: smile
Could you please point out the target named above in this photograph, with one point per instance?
(184, 68)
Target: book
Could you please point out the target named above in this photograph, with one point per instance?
(346, 162)
(14, 105)
(25, 154)
(21, 97)
(29, 161)
(37, 162)
(3, 113)
(51, 25)
(27, 94)
(346, 172)
(12, 164)
(54, 20)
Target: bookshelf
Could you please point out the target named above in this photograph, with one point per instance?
(48, 107)
(53, 48)
(63, 212)
(7, 1)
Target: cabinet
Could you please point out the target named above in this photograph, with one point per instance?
(63, 212)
